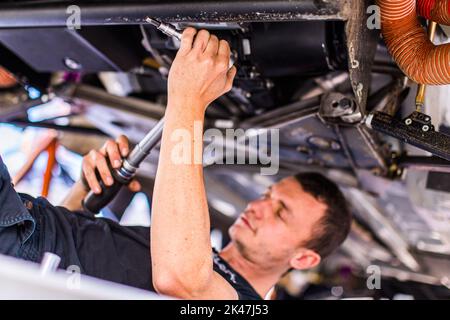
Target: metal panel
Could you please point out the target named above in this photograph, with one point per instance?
(113, 13)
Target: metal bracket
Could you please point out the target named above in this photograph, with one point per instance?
(416, 129)
(337, 108)
(361, 45)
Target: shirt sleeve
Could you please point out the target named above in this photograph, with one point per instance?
(17, 225)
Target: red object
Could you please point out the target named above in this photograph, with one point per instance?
(6, 79)
(51, 161)
(435, 10)
(424, 8)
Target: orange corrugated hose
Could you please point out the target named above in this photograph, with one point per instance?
(409, 45)
(435, 10)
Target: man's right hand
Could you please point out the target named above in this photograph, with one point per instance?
(115, 151)
(200, 72)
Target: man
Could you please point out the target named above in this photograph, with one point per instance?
(294, 225)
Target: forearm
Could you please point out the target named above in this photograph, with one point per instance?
(180, 219)
(73, 200)
(182, 262)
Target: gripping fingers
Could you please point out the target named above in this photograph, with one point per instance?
(223, 54)
(96, 160)
(186, 40)
(123, 145)
(103, 169)
(88, 167)
(212, 46)
(230, 78)
(201, 41)
(113, 153)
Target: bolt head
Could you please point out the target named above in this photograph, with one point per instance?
(269, 84)
(345, 103)
(72, 64)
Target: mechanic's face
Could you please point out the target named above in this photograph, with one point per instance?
(271, 230)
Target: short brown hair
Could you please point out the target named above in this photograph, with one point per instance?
(332, 229)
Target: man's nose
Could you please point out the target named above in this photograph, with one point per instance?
(259, 208)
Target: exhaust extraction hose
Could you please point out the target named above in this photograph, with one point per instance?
(408, 43)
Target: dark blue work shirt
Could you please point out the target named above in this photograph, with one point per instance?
(100, 248)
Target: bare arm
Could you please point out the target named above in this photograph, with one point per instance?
(182, 262)
(73, 199)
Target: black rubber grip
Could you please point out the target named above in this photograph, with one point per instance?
(93, 202)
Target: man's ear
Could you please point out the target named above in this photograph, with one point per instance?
(305, 259)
